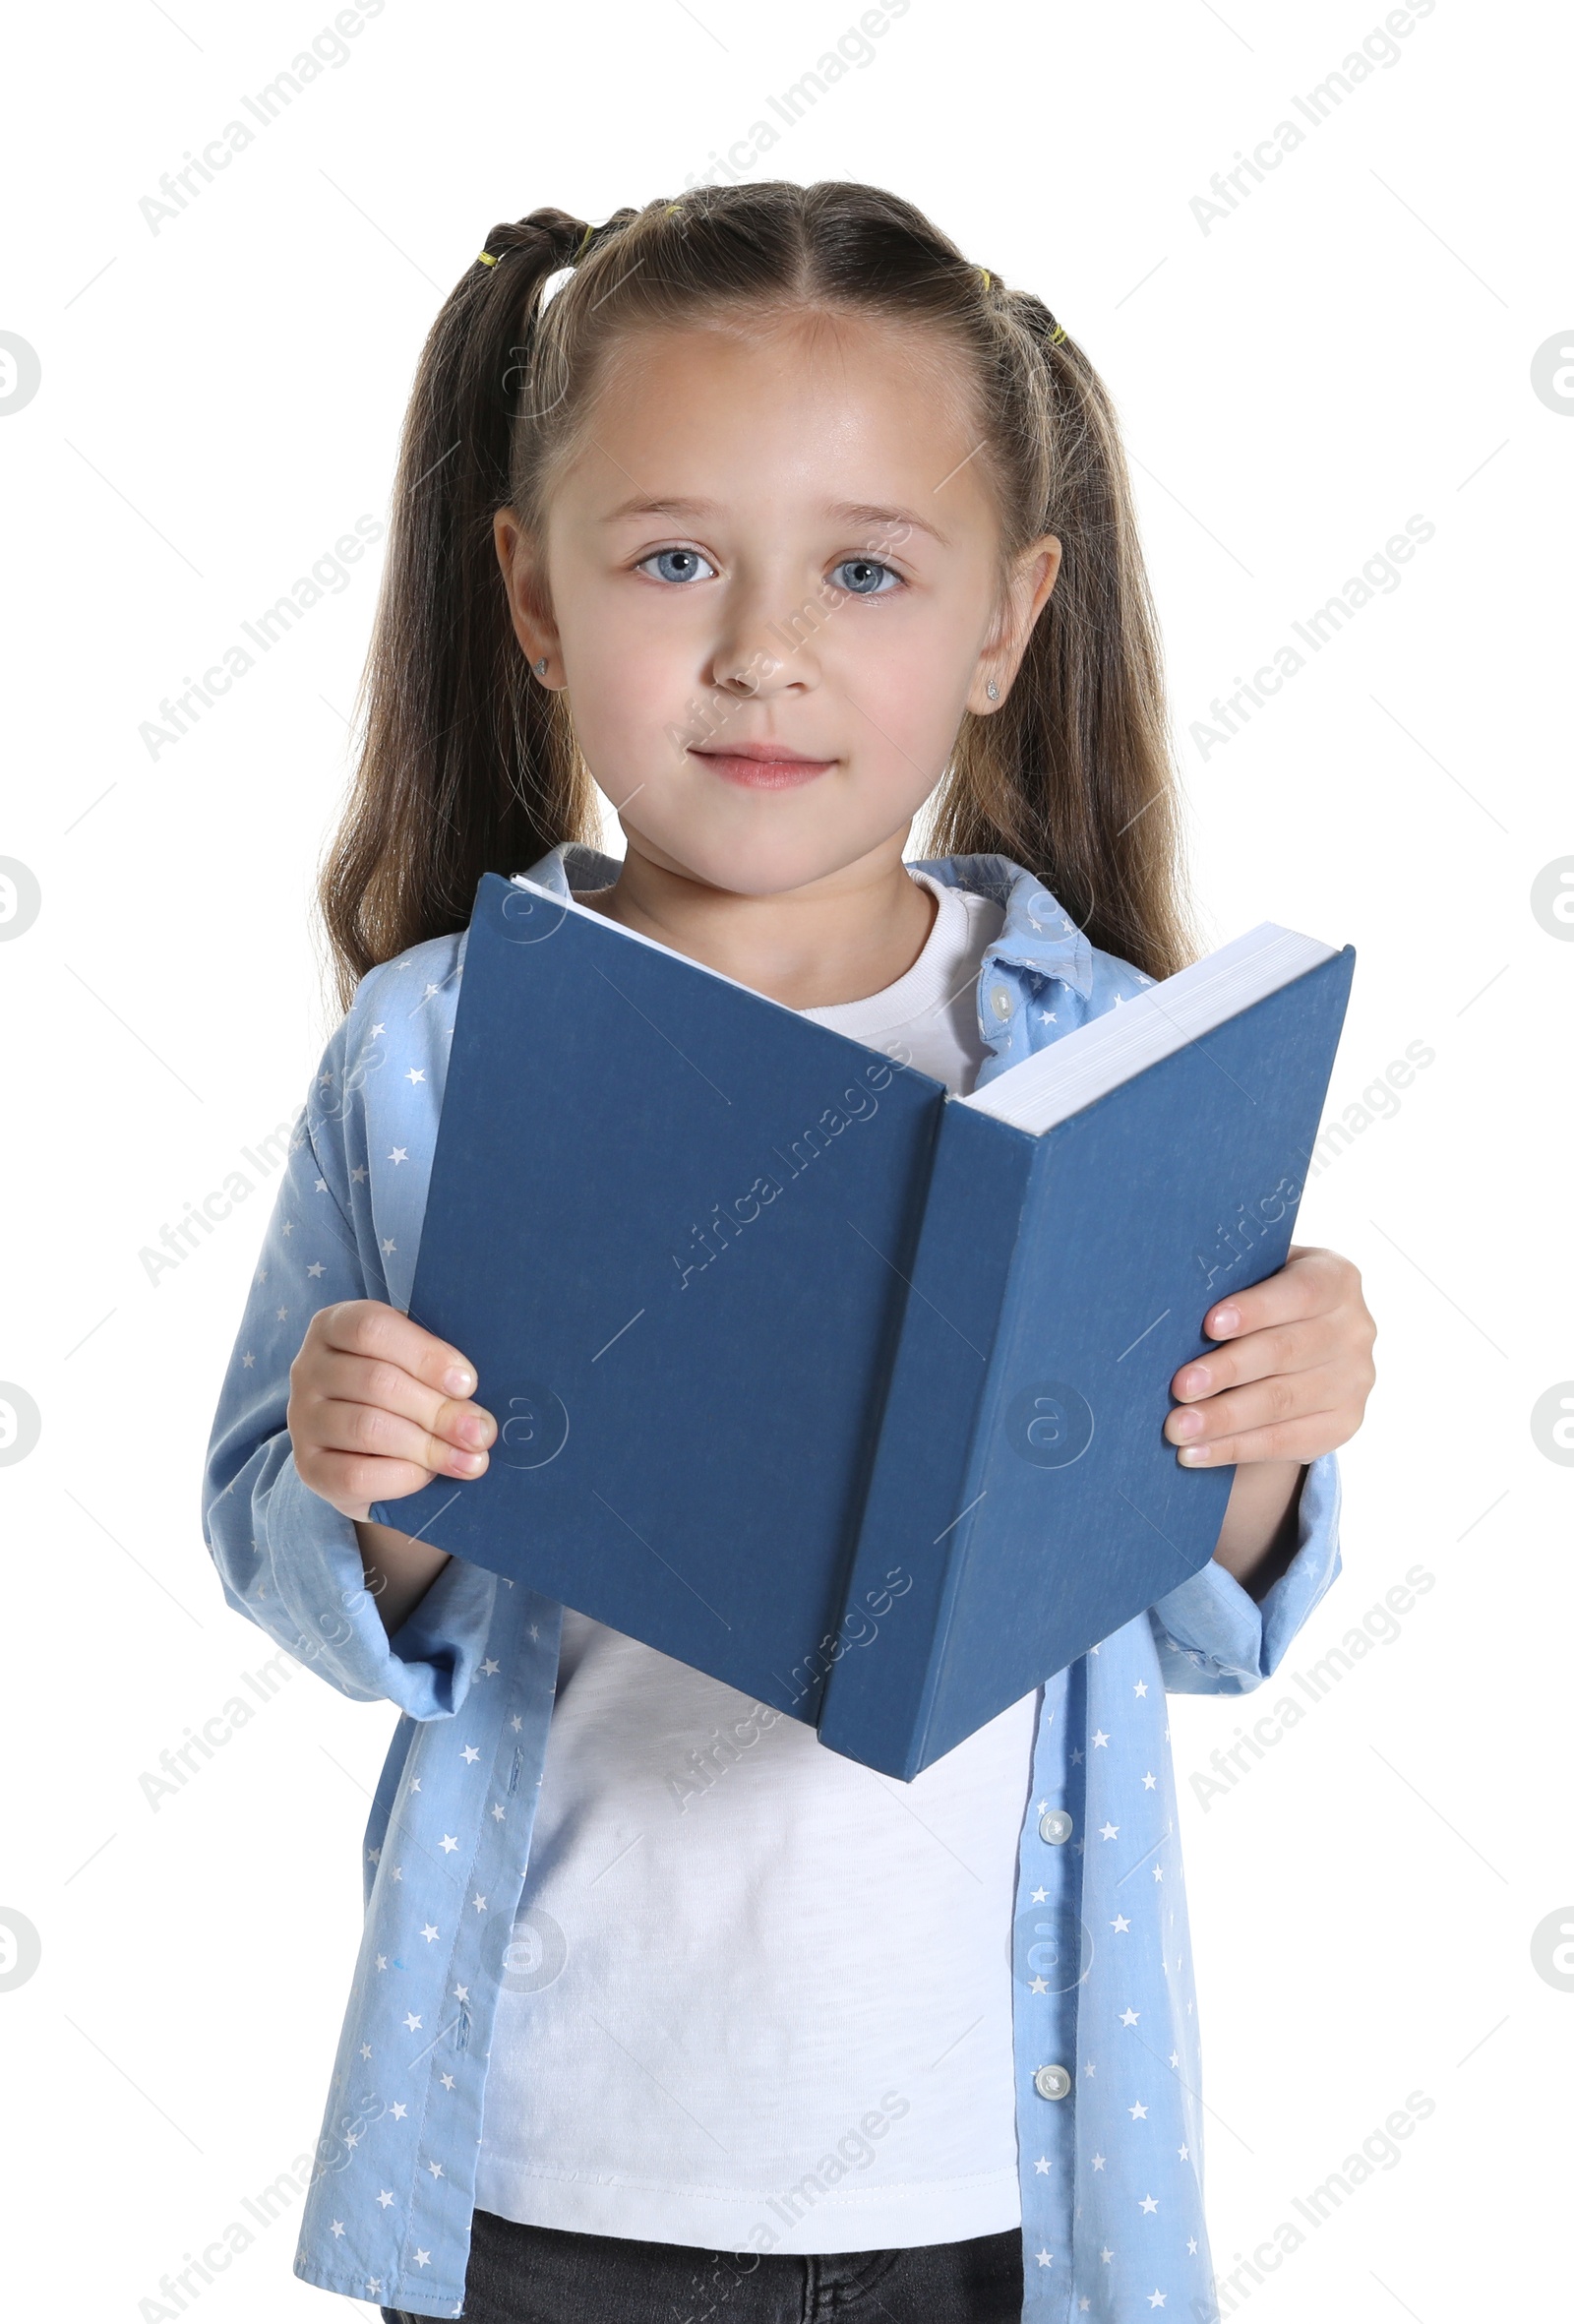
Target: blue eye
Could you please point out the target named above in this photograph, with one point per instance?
(685, 560)
(866, 572)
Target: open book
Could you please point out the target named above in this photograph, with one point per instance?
(840, 1389)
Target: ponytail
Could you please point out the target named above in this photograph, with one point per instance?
(466, 765)
(1074, 774)
(469, 765)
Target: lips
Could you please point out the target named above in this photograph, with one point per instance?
(759, 769)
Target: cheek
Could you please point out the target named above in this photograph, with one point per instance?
(632, 681)
(904, 682)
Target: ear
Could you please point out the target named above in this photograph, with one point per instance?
(1033, 577)
(533, 626)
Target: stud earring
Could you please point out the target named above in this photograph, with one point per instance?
(541, 667)
(993, 691)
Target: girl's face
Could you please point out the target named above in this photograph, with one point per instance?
(770, 583)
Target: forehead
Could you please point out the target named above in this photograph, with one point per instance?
(807, 407)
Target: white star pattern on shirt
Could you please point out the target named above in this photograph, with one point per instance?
(358, 1163)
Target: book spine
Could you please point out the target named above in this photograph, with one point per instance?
(916, 1513)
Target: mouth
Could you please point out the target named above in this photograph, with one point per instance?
(764, 767)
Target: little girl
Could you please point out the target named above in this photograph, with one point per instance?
(778, 523)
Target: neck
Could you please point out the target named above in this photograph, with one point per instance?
(837, 938)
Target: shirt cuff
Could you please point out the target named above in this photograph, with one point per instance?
(1215, 1638)
(309, 1592)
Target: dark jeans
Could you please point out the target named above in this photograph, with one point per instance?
(519, 2275)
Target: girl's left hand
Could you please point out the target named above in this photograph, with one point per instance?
(1293, 1378)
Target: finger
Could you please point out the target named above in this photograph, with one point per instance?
(353, 1481)
(1309, 1282)
(378, 1382)
(1303, 1439)
(1282, 1396)
(377, 1432)
(1261, 1414)
(1283, 1347)
(370, 1327)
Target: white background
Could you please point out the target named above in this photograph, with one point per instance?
(220, 402)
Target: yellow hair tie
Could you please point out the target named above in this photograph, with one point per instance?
(984, 270)
(485, 259)
(590, 230)
(1056, 334)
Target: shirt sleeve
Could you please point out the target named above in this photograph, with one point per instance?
(1215, 1638)
(287, 1559)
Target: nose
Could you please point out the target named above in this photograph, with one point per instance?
(762, 653)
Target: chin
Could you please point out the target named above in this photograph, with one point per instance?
(767, 866)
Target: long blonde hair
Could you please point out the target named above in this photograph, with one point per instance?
(466, 765)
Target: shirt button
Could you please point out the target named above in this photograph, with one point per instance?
(1055, 1827)
(1001, 1000)
(1052, 2081)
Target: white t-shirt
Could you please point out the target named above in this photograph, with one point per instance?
(757, 1990)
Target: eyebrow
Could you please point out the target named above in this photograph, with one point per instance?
(844, 512)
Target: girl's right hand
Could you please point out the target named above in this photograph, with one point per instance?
(378, 1407)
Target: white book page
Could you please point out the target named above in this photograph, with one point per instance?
(1154, 1024)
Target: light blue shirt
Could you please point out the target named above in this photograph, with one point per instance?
(1107, 2113)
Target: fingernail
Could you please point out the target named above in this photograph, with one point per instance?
(1194, 1384)
(468, 1464)
(1193, 1454)
(1225, 1320)
(472, 1428)
(1186, 1423)
(459, 1379)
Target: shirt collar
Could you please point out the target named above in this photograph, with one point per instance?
(1039, 934)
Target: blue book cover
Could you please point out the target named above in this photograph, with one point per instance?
(840, 1390)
